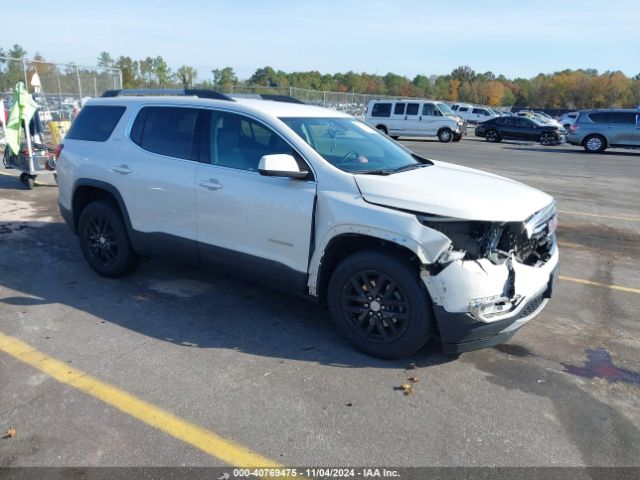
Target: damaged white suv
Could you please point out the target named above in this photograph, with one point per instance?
(402, 248)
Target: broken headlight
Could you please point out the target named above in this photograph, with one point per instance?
(530, 242)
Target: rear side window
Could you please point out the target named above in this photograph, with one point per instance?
(381, 110)
(168, 131)
(613, 117)
(463, 109)
(412, 108)
(95, 123)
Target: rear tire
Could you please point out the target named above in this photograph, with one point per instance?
(104, 240)
(594, 144)
(445, 135)
(378, 302)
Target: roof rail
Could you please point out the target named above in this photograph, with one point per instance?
(280, 98)
(187, 92)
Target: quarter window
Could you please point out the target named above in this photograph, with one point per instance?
(95, 123)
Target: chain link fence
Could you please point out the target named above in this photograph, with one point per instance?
(57, 87)
(352, 103)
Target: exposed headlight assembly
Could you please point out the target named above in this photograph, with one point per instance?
(530, 242)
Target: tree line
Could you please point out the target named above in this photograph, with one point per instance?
(567, 89)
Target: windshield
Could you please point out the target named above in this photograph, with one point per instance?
(444, 108)
(353, 146)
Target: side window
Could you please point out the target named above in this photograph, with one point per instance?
(381, 110)
(477, 110)
(240, 142)
(412, 108)
(523, 122)
(501, 121)
(399, 109)
(600, 117)
(95, 123)
(168, 131)
(624, 117)
(428, 110)
(463, 109)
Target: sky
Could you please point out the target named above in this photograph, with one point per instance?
(517, 38)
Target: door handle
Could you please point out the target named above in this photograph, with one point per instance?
(122, 169)
(211, 184)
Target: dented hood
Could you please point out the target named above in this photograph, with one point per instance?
(454, 191)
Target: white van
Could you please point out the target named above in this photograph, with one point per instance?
(415, 118)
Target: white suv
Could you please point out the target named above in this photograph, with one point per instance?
(402, 248)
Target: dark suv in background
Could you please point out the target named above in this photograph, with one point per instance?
(597, 130)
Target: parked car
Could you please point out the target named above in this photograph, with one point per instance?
(317, 203)
(415, 118)
(567, 119)
(519, 128)
(475, 114)
(597, 130)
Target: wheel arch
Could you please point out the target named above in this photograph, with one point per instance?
(87, 190)
(598, 134)
(344, 244)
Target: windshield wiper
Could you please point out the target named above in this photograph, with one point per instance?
(411, 166)
(372, 172)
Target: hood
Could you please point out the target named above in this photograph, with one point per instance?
(454, 191)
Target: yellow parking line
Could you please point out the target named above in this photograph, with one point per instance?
(598, 284)
(612, 217)
(203, 439)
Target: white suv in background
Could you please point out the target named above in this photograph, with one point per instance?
(415, 118)
(316, 202)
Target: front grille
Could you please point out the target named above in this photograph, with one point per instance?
(531, 307)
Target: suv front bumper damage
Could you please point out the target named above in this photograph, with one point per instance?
(479, 304)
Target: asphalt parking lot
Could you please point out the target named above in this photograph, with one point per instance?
(217, 370)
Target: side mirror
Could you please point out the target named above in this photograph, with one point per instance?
(281, 165)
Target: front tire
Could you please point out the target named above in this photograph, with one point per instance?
(445, 135)
(492, 136)
(104, 240)
(594, 144)
(546, 139)
(378, 303)
(383, 129)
